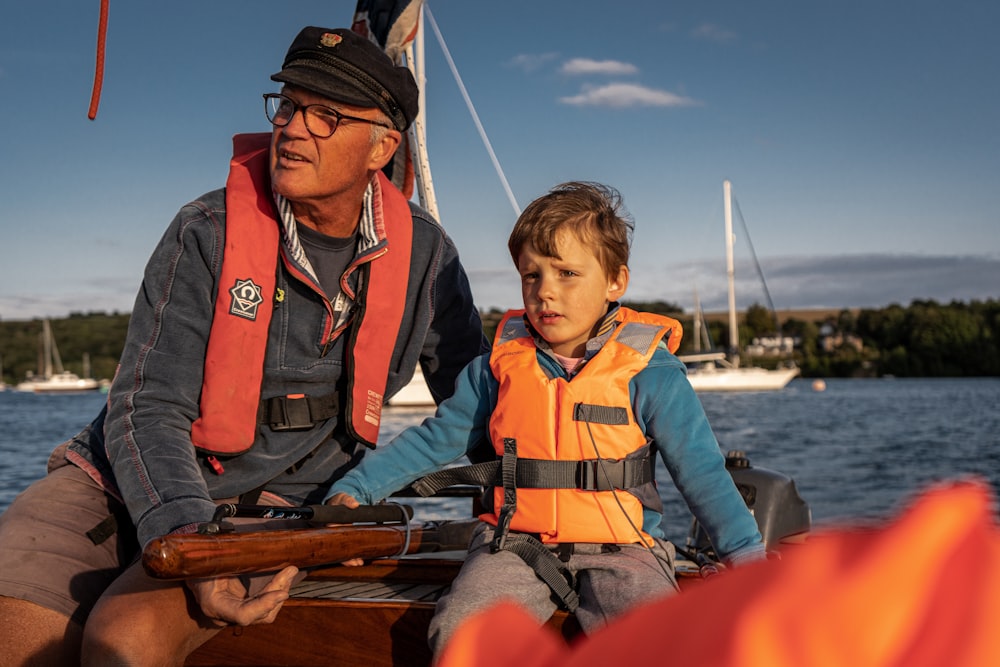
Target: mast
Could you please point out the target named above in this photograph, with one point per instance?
(418, 130)
(734, 334)
(697, 323)
(46, 349)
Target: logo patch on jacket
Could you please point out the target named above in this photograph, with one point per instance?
(246, 297)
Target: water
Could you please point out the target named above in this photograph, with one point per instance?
(860, 450)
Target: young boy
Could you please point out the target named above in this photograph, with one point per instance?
(577, 398)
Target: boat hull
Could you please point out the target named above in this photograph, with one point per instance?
(415, 394)
(58, 384)
(740, 379)
(376, 615)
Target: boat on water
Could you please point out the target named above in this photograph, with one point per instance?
(415, 394)
(54, 378)
(721, 371)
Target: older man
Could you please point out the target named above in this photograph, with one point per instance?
(275, 319)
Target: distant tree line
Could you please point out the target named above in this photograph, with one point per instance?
(924, 339)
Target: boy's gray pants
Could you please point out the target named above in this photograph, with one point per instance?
(610, 580)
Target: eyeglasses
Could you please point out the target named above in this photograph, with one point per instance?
(321, 121)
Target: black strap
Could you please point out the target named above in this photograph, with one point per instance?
(600, 414)
(297, 412)
(547, 566)
(587, 475)
(508, 467)
(105, 529)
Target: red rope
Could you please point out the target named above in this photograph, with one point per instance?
(102, 29)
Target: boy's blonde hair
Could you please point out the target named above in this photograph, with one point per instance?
(593, 212)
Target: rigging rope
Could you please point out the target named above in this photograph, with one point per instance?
(102, 31)
(472, 110)
(760, 270)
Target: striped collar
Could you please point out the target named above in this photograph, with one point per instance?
(371, 234)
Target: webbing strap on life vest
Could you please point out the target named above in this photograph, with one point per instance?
(547, 567)
(508, 476)
(297, 412)
(586, 475)
(600, 414)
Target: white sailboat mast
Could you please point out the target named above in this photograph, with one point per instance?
(734, 334)
(418, 130)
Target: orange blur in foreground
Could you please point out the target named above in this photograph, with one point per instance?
(923, 589)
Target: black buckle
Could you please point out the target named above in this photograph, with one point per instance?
(600, 475)
(289, 413)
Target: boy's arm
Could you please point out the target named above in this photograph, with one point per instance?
(673, 417)
(458, 426)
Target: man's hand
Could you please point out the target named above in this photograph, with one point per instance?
(224, 600)
(351, 502)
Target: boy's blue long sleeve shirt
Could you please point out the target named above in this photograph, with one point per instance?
(665, 406)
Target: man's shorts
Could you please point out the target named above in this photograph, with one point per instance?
(64, 540)
(46, 555)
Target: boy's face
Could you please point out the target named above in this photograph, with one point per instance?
(566, 297)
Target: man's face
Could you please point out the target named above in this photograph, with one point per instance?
(308, 169)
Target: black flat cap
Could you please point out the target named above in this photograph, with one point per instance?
(346, 67)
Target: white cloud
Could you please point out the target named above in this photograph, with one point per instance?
(531, 61)
(626, 95)
(842, 281)
(713, 33)
(588, 66)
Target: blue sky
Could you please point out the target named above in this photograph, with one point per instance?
(860, 137)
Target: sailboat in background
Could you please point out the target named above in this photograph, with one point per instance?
(721, 371)
(54, 378)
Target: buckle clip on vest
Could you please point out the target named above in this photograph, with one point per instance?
(297, 412)
(600, 475)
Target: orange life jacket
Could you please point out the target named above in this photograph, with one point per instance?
(590, 418)
(234, 360)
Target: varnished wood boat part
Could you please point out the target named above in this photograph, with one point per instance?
(375, 615)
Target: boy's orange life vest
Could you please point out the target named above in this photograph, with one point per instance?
(234, 360)
(542, 415)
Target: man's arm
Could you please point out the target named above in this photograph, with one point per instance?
(154, 398)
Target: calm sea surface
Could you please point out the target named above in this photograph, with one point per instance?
(861, 449)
